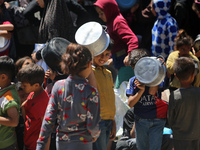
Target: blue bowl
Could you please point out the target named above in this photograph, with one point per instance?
(126, 4)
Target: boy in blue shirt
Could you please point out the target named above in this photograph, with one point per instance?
(150, 112)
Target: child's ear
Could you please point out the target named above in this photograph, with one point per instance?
(4, 77)
(37, 85)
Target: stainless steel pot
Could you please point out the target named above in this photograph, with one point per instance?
(93, 36)
(150, 71)
(4, 44)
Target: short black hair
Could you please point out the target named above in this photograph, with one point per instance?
(32, 74)
(136, 54)
(7, 66)
(110, 45)
(184, 67)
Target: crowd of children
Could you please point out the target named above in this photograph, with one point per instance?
(71, 104)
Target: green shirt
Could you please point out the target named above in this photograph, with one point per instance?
(8, 98)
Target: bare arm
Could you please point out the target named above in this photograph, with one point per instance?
(48, 143)
(92, 80)
(132, 132)
(12, 120)
(8, 27)
(133, 99)
(113, 131)
(4, 30)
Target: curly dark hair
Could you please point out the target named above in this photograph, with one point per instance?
(75, 59)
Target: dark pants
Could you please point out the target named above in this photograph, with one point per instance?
(186, 144)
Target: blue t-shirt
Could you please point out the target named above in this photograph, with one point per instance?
(147, 107)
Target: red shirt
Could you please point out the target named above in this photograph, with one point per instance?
(35, 109)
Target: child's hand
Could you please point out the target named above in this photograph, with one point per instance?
(139, 85)
(126, 61)
(113, 131)
(7, 5)
(153, 90)
(94, 140)
(110, 61)
(41, 3)
(47, 74)
(33, 56)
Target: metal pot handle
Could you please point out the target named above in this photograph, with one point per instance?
(160, 56)
(104, 28)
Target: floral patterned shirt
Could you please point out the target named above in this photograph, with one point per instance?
(75, 106)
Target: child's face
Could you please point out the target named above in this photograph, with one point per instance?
(26, 62)
(184, 50)
(27, 87)
(101, 59)
(102, 15)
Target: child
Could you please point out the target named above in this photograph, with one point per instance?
(107, 101)
(164, 30)
(40, 62)
(10, 104)
(74, 103)
(33, 109)
(124, 39)
(150, 111)
(128, 140)
(20, 63)
(183, 46)
(183, 111)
